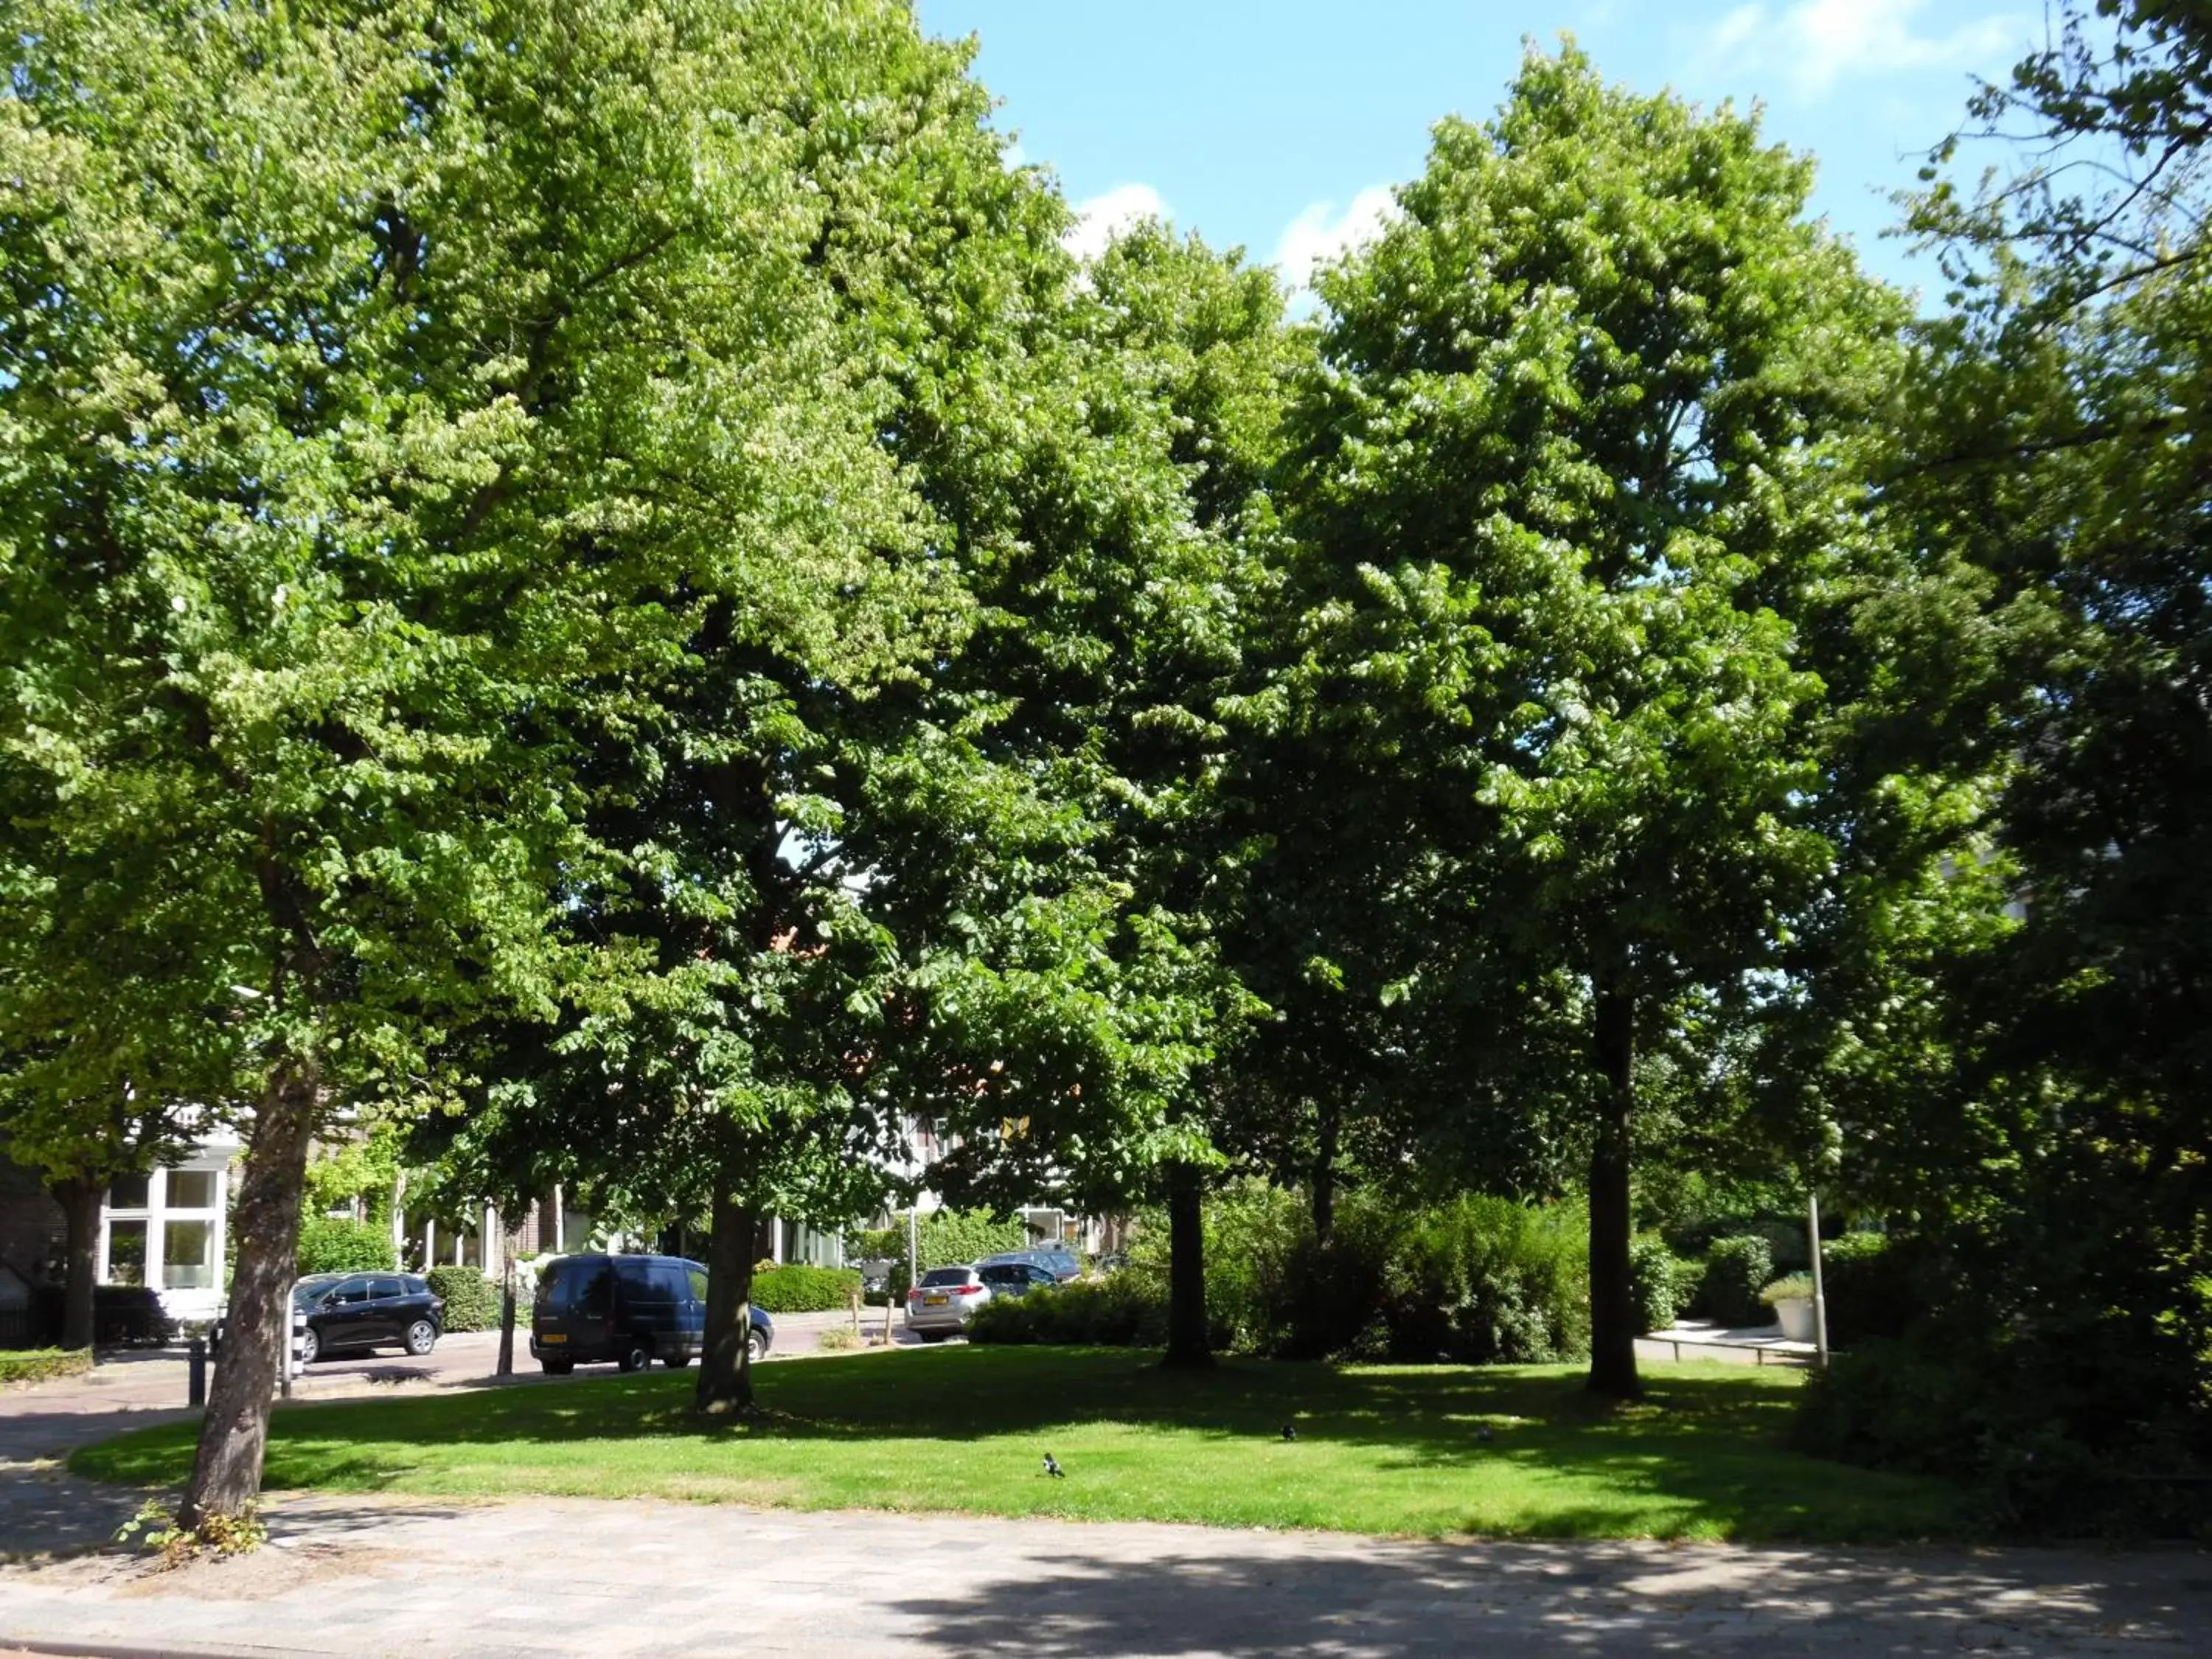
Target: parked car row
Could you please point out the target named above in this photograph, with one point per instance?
(631, 1309)
(947, 1298)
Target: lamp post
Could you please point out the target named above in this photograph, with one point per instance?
(1819, 1295)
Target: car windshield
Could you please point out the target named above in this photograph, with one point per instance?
(939, 1276)
(1011, 1273)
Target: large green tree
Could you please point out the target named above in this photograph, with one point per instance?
(324, 460)
(2058, 451)
(1584, 421)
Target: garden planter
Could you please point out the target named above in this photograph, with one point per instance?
(1795, 1313)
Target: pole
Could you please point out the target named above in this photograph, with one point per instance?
(912, 1246)
(296, 1316)
(195, 1372)
(1820, 1296)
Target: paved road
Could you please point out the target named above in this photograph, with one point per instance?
(558, 1577)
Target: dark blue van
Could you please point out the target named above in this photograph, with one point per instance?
(632, 1309)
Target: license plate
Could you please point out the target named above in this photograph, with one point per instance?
(552, 1336)
(935, 1301)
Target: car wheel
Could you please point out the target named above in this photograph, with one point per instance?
(755, 1348)
(557, 1367)
(933, 1336)
(637, 1355)
(676, 1362)
(421, 1337)
(311, 1346)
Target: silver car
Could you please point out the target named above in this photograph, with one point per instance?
(945, 1300)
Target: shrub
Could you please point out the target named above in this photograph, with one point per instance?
(1659, 1281)
(1874, 1284)
(472, 1300)
(42, 1365)
(795, 1288)
(949, 1238)
(837, 1338)
(1791, 1287)
(1487, 1281)
(338, 1244)
(1127, 1309)
(1734, 1272)
(129, 1315)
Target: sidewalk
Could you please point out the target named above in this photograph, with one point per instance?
(1758, 1345)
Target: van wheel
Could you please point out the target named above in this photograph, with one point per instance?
(557, 1367)
(636, 1356)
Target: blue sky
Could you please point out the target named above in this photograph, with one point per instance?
(1278, 127)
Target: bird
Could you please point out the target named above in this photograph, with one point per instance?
(1289, 1431)
(1052, 1467)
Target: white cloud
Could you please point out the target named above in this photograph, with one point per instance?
(1319, 234)
(1816, 42)
(1098, 220)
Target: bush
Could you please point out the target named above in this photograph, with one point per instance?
(1734, 1273)
(1791, 1287)
(129, 1315)
(1874, 1284)
(949, 1238)
(1127, 1309)
(797, 1289)
(1659, 1281)
(838, 1339)
(1487, 1281)
(1478, 1280)
(337, 1244)
(472, 1300)
(42, 1365)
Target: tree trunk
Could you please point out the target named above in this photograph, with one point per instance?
(1612, 1306)
(726, 1371)
(1324, 1174)
(256, 1334)
(511, 1243)
(1187, 1344)
(79, 1197)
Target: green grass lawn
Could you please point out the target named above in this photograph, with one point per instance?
(1379, 1449)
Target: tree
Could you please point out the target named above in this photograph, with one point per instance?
(445, 322)
(1584, 419)
(2059, 454)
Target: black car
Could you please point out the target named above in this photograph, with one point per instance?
(632, 1309)
(354, 1312)
(1013, 1277)
(1056, 1259)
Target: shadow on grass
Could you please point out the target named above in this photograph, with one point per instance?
(1709, 1443)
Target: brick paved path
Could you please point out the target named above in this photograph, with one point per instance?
(560, 1576)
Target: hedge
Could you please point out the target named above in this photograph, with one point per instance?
(1659, 1281)
(795, 1288)
(1127, 1309)
(1735, 1272)
(472, 1300)
(339, 1244)
(1476, 1280)
(43, 1364)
